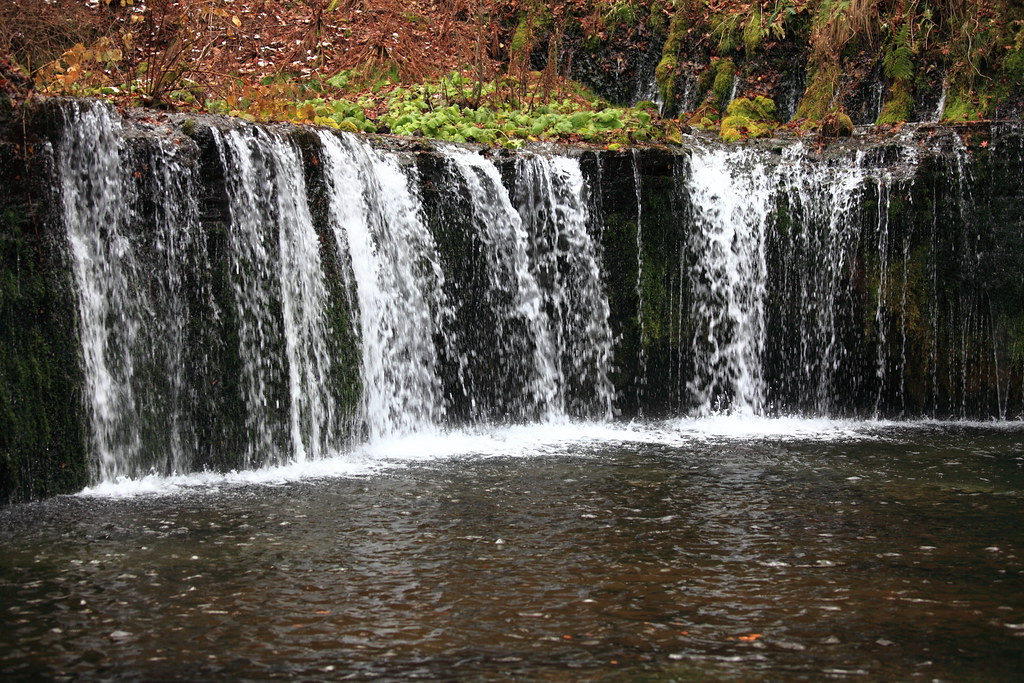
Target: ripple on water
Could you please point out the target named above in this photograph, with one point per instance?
(665, 551)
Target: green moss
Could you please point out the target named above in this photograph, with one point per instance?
(899, 104)
(753, 32)
(836, 124)
(656, 21)
(735, 128)
(706, 78)
(1014, 66)
(818, 98)
(727, 29)
(523, 35)
(620, 13)
(666, 74)
(966, 105)
(748, 118)
(1013, 62)
(721, 88)
(758, 108)
(665, 77)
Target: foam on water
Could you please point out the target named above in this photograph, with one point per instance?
(549, 439)
(214, 482)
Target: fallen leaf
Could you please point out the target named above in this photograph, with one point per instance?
(750, 638)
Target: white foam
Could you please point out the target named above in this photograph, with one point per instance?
(744, 427)
(549, 439)
(342, 465)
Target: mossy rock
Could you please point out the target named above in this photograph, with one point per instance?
(748, 118)
(753, 35)
(898, 105)
(721, 88)
(758, 108)
(665, 75)
(1013, 62)
(836, 124)
(818, 98)
(705, 117)
(736, 128)
(966, 105)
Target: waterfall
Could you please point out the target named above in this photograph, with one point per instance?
(375, 214)
(553, 204)
(642, 360)
(94, 193)
(251, 296)
(940, 107)
(525, 340)
(731, 198)
(279, 296)
(815, 243)
(131, 285)
(541, 286)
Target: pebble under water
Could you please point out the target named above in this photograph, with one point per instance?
(687, 550)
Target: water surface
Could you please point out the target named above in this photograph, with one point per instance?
(716, 549)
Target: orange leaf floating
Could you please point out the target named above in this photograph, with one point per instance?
(750, 638)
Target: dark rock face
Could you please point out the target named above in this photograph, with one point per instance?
(890, 284)
(42, 428)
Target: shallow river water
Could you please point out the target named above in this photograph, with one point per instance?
(720, 549)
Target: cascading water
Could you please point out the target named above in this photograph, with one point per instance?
(525, 340)
(132, 318)
(552, 202)
(542, 286)
(279, 295)
(642, 360)
(375, 214)
(731, 199)
(815, 243)
(94, 193)
(248, 296)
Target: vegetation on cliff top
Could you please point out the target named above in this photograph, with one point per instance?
(505, 71)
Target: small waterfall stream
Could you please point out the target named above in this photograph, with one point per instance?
(552, 201)
(136, 291)
(95, 194)
(375, 216)
(731, 202)
(279, 294)
(512, 287)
